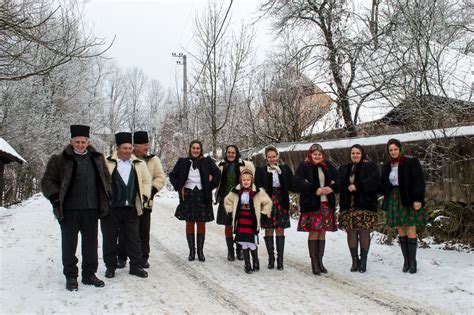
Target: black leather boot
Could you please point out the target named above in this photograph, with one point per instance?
(255, 261)
(93, 280)
(280, 244)
(71, 284)
(270, 249)
(200, 247)
(230, 248)
(312, 247)
(238, 252)
(321, 246)
(248, 267)
(121, 262)
(363, 260)
(355, 259)
(403, 240)
(192, 246)
(412, 245)
(139, 272)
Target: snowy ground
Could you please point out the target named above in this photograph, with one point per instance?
(31, 279)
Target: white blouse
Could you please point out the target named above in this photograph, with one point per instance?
(321, 182)
(194, 179)
(393, 176)
(245, 197)
(276, 179)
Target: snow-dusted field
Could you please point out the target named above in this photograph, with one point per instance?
(31, 279)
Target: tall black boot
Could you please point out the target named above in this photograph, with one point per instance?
(238, 252)
(403, 240)
(363, 260)
(321, 246)
(246, 254)
(230, 248)
(255, 261)
(200, 247)
(280, 244)
(192, 246)
(312, 247)
(355, 259)
(270, 249)
(412, 245)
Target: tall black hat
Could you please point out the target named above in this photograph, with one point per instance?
(140, 137)
(79, 131)
(123, 137)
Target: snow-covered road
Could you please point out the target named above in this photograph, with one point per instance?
(31, 280)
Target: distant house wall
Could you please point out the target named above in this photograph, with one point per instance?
(449, 175)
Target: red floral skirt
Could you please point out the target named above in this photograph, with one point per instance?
(318, 221)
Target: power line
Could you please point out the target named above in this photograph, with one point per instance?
(213, 46)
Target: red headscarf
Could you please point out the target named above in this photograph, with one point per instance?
(400, 159)
(309, 157)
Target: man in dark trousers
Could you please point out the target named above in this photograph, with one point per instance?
(77, 183)
(140, 150)
(131, 188)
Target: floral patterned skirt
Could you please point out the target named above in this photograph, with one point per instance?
(194, 208)
(398, 215)
(318, 221)
(357, 219)
(280, 218)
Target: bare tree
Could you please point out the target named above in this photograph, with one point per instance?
(37, 37)
(136, 83)
(343, 44)
(222, 62)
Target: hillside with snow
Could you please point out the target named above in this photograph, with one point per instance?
(31, 279)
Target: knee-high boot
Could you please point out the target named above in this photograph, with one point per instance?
(246, 254)
(270, 250)
(321, 246)
(404, 246)
(255, 261)
(200, 247)
(280, 244)
(238, 252)
(355, 259)
(412, 245)
(363, 260)
(192, 246)
(230, 248)
(312, 247)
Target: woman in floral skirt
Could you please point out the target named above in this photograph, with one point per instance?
(403, 187)
(276, 178)
(315, 180)
(358, 184)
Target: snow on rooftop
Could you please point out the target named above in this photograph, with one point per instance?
(5, 147)
(377, 140)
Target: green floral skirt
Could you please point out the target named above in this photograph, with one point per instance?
(398, 215)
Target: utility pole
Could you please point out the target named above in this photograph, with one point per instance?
(182, 61)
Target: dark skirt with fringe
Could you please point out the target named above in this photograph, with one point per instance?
(194, 208)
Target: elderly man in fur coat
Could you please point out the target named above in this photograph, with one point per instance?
(140, 150)
(77, 183)
(131, 188)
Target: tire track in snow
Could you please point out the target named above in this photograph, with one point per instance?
(221, 295)
(385, 299)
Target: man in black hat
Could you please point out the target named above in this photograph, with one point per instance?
(131, 188)
(140, 150)
(77, 183)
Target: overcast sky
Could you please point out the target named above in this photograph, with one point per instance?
(148, 31)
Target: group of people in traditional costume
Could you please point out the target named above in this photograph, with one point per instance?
(84, 186)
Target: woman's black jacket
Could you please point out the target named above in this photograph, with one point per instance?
(265, 179)
(306, 184)
(366, 181)
(180, 172)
